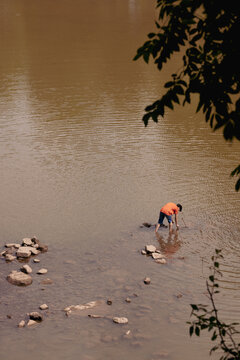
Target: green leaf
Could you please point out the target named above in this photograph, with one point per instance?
(169, 84)
(151, 35)
(211, 278)
(197, 331)
(191, 330)
(194, 307)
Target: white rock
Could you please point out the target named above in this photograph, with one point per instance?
(144, 252)
(27, 242)
(156, 256)
(19, 278)
(26, 269)
(89, 305)
(42, 271)
(120, 320)
(31, 322)
(161, 261)
(150, 248)
(36, 260)
(10, 257)
(43, 307)
(24, 252)
(21, 324)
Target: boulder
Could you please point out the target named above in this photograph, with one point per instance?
(24, 252)
(13, 245)
(19, 278)
(150, 249)
(120, 320)
(26, 269)
(42, 247)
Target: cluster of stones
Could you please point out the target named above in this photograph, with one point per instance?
(29, 247)
(155, 254)
(33, 317)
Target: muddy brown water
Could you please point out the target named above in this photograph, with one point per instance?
(80, 171)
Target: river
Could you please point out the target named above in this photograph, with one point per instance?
(81, 172)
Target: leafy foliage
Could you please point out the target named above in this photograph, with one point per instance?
(207, 32)
(224, 335)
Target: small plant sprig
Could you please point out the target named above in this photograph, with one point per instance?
(207, 318)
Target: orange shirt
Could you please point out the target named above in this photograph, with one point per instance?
(170, 209)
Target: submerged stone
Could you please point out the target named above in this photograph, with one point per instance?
(19, 278)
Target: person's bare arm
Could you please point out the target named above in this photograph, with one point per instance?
(176, 221)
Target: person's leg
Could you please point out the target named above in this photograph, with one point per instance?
(169, 217)
(160, 221)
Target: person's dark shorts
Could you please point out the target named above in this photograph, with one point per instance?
(162, 216)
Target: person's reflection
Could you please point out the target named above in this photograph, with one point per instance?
(172, 245)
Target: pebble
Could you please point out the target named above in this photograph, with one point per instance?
(147, 281)
(46, 282)
(35, 316)
(42, 271)
(120, 320)
(109, 301)
(26, 269)
(144, 252)
(128, 300)
(43, 307)
(161, 261)
(31, 322)
(36, 260)
(21, 324)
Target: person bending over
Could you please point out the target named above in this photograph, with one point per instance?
(167, 211)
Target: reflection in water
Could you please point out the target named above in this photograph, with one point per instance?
(169, 244)
(79, 170)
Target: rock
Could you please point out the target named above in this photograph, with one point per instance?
(161, 261)
(42, 247)
(19, 278)
(27, 242)
(109, 301)
(34, 251)
(9, 316)
(35, 240)
(26, 269)
(10, 257)
(21, 324)
(143, 252)
(120, 320)
(35, 316)
(89, 305)
(46, 282)
(43, 307)
(31, 322)
(24, 252)
(128, 300)
(36, 260)
(13, 245)
(95, 316)
(147, 281)
(150, 249)
(146, 224)
(42, 271)
(156, 256)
